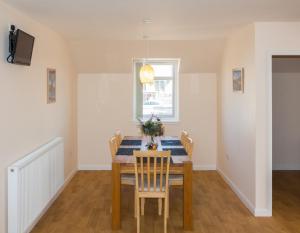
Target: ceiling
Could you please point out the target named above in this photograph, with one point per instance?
(172, 19)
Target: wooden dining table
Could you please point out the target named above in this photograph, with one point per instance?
(123, 163)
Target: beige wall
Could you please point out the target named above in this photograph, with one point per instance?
(278, 38)
(245, 138)
(236, 157)
(202, 56)
(26, 120)
(105, 103)
(286, 115)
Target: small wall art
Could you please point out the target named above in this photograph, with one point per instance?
(238, 80)
(51, 86)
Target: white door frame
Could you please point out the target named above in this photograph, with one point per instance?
(270, 118)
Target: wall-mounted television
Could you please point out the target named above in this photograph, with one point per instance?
(20, 47)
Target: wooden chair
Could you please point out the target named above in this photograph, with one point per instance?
(113, 146)
(183, 137)
(126, 179)
(119, 137)
(177, 180)
(189, 147)
(152, 177)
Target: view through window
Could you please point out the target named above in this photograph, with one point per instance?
(160, 97)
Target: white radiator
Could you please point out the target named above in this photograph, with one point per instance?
(33, 181)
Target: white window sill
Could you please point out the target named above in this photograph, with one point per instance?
(164, 121)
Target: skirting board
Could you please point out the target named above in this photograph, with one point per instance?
(67, 180)
(238, 192)
(209, 167)
(286, 167)
(255, 211)
(92, 167)
(263, 213)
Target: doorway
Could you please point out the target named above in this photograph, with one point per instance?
(286, 140)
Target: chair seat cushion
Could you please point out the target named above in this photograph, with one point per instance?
(152, 185)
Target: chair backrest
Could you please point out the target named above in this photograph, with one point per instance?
(183, 138)
(113, 146)
(152, 170)
(189, 147)
(119, 138)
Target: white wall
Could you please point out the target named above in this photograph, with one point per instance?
(105, 103)
(26, 120)
(105, 94)
(236, 157)
(286, 115)
(277, 38)
(197, 56)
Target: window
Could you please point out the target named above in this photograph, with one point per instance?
(161, 97)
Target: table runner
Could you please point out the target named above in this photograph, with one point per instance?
(130, 143)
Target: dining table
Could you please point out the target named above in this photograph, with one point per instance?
(123, 163)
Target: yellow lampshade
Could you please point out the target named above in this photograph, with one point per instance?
(146, 74)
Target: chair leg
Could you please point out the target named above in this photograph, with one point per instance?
(135, 204)
(168, 206)
(159, 206)
(143, 206)
(165, 214)
(137, 215)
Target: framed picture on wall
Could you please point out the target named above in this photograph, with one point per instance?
(51, 86)
(238, 80)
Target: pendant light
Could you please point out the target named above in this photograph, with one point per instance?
(146, 71)
(146, 74)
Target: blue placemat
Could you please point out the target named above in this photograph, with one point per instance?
(177, 151)
(131, 142)
(171, 143)
(126, 151)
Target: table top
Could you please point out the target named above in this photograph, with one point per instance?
(130, 143)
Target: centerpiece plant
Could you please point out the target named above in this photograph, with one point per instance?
(153, 128)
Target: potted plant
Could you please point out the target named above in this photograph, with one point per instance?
(153, 128)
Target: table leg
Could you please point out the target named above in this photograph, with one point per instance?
(187, 196)
(116, 196)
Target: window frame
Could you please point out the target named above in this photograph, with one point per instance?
(175, 62)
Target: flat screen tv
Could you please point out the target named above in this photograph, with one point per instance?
(21, 47)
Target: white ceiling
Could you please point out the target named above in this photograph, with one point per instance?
(172, 19)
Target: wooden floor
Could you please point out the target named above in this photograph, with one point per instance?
(84, 206)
